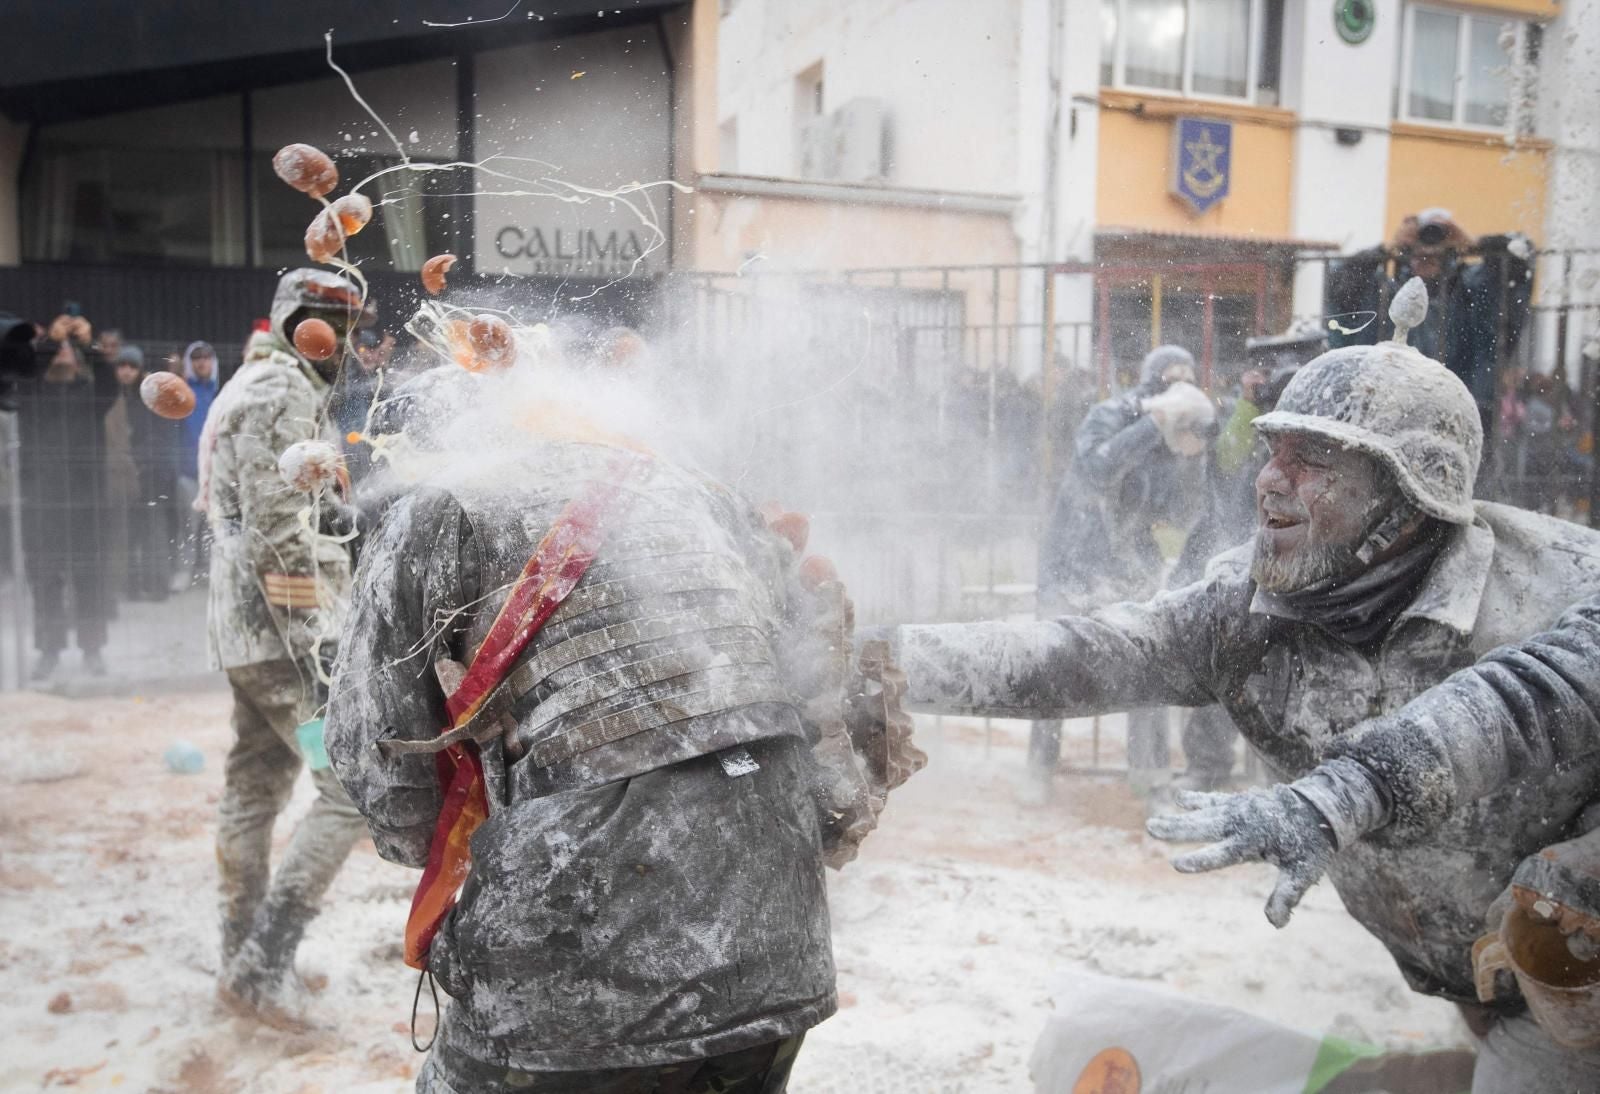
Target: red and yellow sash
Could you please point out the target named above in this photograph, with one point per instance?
(557, 565)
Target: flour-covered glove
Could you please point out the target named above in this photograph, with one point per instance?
(1184, 414)
(1297, 827)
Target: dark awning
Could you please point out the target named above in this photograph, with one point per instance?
(67, 60)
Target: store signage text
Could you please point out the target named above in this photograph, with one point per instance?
(575, 250)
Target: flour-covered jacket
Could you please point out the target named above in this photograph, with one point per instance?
(278, 590)
(637, 895)
(1097, 544)
(1294, 691)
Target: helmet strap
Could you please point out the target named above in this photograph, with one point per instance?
(1389, 528)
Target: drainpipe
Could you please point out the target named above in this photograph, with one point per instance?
(1052, 135)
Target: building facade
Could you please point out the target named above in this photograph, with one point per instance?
(142, 155)
(1202, 155)
(1189, 161)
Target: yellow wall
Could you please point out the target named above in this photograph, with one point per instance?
(1488, 186)
(1134, 168)
(1537, 9)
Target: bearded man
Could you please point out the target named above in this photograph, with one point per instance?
(1373, 576)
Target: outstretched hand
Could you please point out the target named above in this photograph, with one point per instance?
(1274, 825)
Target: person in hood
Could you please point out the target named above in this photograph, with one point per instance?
(200, 370)
(1373, 576)
(1137, 462)
(278, 594)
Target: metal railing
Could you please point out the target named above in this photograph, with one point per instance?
(922, 415)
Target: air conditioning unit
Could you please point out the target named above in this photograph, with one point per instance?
(849, 145)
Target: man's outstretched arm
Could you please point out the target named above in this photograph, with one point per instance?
(1521, 709)
(1160, 653)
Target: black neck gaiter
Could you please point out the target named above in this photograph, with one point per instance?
(1358, 610)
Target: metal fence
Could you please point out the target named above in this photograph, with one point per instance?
(922, 416)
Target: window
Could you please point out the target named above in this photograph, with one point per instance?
(1457, 69)
(413, 215)
(1210, 49)
(410, 221)
(152, 186)
(810, 125)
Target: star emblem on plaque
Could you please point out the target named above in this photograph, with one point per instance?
(1202, 162)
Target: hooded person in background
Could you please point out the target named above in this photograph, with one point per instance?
(61, 429)
(1476, 309)
(1373, 576)
(1137, 463)
(278, 595)
(200, 370)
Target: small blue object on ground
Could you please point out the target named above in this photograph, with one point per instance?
(183, 758)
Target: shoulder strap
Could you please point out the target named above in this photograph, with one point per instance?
(553, 571)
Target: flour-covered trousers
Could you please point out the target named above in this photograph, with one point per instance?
(270, 699)
(763, 1069)
(1518, 1057)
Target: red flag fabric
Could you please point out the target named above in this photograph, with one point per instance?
(550, 575)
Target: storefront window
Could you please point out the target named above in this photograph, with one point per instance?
(149, 186)
(413, 211)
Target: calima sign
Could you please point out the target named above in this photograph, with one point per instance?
(594, 251)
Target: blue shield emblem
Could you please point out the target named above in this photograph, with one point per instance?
(1202, 161)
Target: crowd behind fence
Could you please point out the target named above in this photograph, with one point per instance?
(923, 416)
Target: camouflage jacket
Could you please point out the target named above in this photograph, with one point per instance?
(648, 885)
(1423, 885)
(278, 590)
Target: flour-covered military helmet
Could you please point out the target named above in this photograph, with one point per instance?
(1406, 411)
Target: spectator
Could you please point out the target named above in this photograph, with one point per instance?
(1070, 402)
(122, 472)
(356, 391)
(155, 523)
(110, 343)
(62, 431)
(193, 538)
(1475, 310)
(1546, 443)
(1137, 464)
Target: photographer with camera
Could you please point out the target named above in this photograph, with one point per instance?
(1138, 462)
(1476, 308)
(61, 398)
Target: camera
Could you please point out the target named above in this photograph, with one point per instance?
(18, 361)
(1431, 235)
